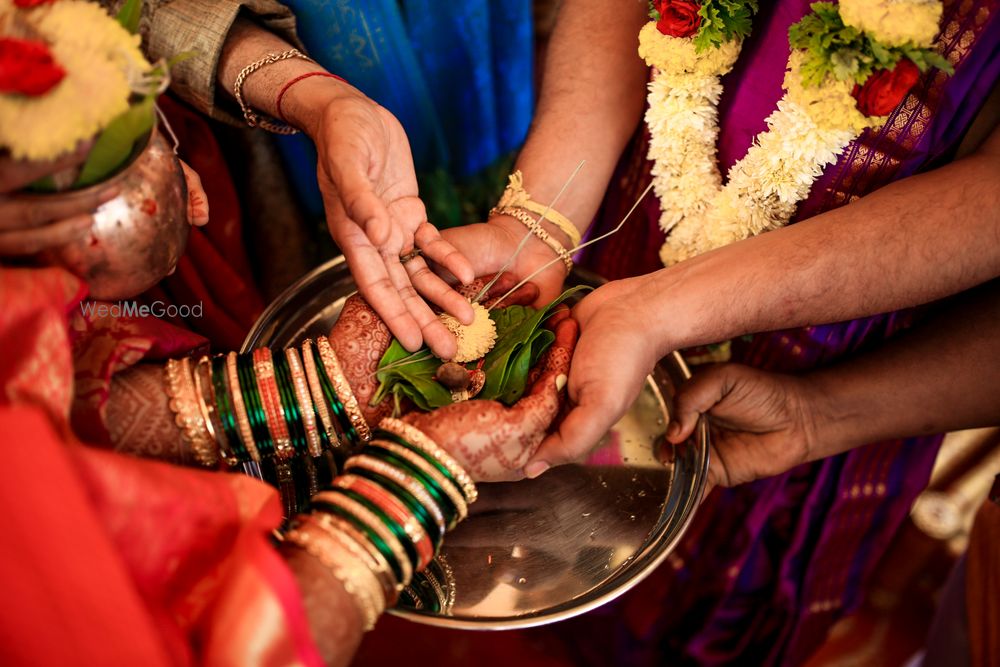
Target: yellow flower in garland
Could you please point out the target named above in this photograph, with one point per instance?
(831, 104)
(474, 340)
(895, 22)
(679, 55)
(102, 64)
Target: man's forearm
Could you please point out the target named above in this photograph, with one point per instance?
(909, 243)
(942, 376)
(589, 105)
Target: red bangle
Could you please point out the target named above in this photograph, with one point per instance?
(284, 89)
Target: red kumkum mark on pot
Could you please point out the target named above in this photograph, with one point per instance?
(148, 207)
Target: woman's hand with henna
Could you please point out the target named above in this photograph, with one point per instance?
(492, 441)
(360, 338)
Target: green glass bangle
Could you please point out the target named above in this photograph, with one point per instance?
(381, 434)
(440, 497)
(414, 505)
(372, 536)
(289, 404)
(347, 428)
(394, 527)
(255, 409)
(225, 409)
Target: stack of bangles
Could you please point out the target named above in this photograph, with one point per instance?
(383, 520)
(518, 204)
(287, 417)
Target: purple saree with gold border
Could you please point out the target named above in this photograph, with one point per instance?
(767, 568)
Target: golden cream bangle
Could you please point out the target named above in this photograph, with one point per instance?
(343, 388)
(533, 225)
(422, 464)
(183, 403)
(516, 196)
(422, 441)
(345, 567)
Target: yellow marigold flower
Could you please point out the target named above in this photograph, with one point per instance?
(830, 104)
(474, 340)
(101, 59)
(894, 22)
(678, 54)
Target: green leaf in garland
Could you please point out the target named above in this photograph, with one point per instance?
(129, 15)
(838, 50)
(115, 144)
(724, 21)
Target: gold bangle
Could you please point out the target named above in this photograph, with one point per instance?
(343, 388)
(251, 118)
(412, 486)
(346, 568)
(301, 387)
(515, 196)
(352, 542)
(416, 460)
(536, 229)
(206, 404)
(183, 403)
(312, 376)
(240, 408)
(421, 441)
(367, 517)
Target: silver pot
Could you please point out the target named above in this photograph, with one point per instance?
(137, 237)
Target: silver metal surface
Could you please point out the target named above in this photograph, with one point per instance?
(541, 550)
(137, 237)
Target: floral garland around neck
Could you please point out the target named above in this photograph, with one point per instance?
(850, 65)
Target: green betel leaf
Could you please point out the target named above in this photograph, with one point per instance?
(521, 342)
(115, 144)
(129, 15)
(506, 374)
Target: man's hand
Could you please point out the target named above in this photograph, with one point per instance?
(610, 365)
(375, 215)
(762, 422)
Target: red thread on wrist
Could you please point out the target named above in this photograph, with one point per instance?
(284, 89)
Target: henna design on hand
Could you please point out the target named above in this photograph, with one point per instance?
(139, 420)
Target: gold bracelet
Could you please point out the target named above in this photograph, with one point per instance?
(363, 514)
(419, 462)
(533, 225)
(342, 388)
(352, 539)
(515, 196)
(352, 573)
(319, 401)
(252, 119)
(206, 404)
(421, 441)
(183, 403)
(240, 409)
(301, 387)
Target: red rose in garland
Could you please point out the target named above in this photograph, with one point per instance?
(27, 68)
(885, 89)
(678, 18)
(25, 4)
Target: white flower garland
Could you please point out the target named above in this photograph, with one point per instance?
(809, 130)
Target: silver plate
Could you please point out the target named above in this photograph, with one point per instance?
(542, 550)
